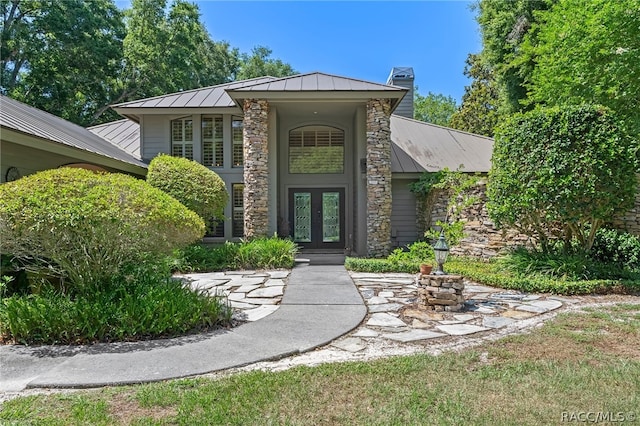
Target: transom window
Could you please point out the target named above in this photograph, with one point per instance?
(182, 138)
(212, 143)
(316, 149)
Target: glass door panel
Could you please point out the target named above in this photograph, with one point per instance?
(330, 217)
(302, 217)
(316, 217)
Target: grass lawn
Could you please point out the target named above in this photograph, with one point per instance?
(576, 364)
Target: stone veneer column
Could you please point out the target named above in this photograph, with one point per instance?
(378, 177)
(256, 168)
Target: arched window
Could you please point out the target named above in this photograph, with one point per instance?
(316, 149)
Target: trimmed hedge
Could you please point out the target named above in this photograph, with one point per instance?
(84, 226)
(198, 188)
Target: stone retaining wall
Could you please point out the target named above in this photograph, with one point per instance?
(482, 238)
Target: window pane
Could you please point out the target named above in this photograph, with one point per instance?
(316, 149)
(238, 155)
(238, 210)
(188, 130)
(212, 144)
(215, 228)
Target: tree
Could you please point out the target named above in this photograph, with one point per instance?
(559, 173)
(504, 25)
(434, 108)
(259, 64)
(198, 188)
(478, 112)
(61, 56)
(166, 53)
(86, 226)
(593, 57)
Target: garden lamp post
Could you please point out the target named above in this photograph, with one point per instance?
(441, 250)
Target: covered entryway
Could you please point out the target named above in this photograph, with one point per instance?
(317, 217)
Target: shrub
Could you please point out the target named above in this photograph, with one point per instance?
(200, 258)
(559, 173)
(85, 226)
(140, 304)
(266, 253)
(198, 188)
(617, 247)
(361, 264)
(260, 253)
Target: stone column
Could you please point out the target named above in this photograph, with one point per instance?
(378, 177)
(256, 168)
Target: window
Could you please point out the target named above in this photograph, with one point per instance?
(236, 131)
(316, 149)
(215, 228)
(182, 138)
(212, 145)
(237, 218)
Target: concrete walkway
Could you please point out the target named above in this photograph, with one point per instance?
(320, 303)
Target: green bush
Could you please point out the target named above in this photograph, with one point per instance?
(617, 247)
(261, 253)
(559, 173)
(198, 188)
(201, 258)
(361, 264)
(267, 253)
(85, 226)
(494, 274)
(141, 304)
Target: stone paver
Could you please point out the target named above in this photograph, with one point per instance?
(391, 300)
(394, 313)
(252, 294)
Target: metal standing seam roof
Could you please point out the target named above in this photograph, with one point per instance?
(123, 133)
(419, 146)
(416, 146)
(32, 121)
(206, 97)
(319, 82)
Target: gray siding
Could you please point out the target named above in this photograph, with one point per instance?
(404, 228)
(156, 137)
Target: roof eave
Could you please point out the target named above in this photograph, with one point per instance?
(21, 138)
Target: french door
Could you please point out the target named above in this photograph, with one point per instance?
(316, 217)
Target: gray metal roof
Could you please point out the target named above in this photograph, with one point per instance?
(123, 133)
(32, 121)
(319, 82)
(418, 146)
(206, 97)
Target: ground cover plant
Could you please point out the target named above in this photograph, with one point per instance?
(564, 368)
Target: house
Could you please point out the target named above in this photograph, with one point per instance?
(317, 157)
(32, 140)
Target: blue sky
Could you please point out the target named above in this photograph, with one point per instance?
(359, 39)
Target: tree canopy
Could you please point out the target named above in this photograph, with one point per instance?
(478, 112)
(594, 57)
(74, 58)
(434, 108)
